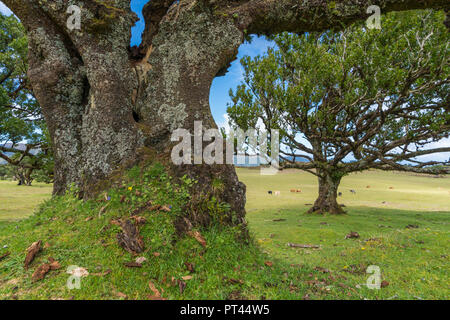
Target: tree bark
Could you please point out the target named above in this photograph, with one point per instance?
(107, 108)
(326, 202)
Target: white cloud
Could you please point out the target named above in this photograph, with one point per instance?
(4, 9)
(443, 156)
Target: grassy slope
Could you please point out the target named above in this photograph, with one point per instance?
(17, 202)
(412, 269)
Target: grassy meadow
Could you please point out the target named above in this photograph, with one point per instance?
(414, 261)
(18, 202)
(402, 219)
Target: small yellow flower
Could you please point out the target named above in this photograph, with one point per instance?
(363, 248)
(130, 188)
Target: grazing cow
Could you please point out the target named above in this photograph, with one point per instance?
(269, 192)
(298, 190)
(368, 187)
(293, 190)
(277, 193)
(391, 188)
(340, 194)
(353, 191)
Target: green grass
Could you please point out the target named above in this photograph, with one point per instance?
(18, 202)
(415, 262)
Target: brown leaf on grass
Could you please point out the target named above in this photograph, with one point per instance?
(186, 278)
(304, 246)
(268, 263)
(122, 198)
(101, 274)
(141, 260)
(139, 220)
(155, 207)
(352, 235)
(384, 284)
(116, 222)
(40, 272)
(181, 286)
(165, 209)
(88, 219)
(3, 256)
(156, 254)
(132, 265)
(47, 245)
(198, 237)
(54, 265)
(189, 266)
(32, 250)
(120, 294)
(155, 291)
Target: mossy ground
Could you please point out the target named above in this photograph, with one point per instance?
(413, 261)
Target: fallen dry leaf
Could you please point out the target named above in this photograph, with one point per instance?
(139, 220)
(268, 263)
(189, 266)
(141, 260)
(384, 284)
(54, 265)
(186, 278)
(121, 295)
(156, 254)
(88, 219)
(198, 237)
(32, 250)
(153, 288)
(165, 208)
(101, 274)
(132, 265)
(181, 285)
(40, 272)
(352, 235)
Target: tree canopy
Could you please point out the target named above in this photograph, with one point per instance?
(352, 100)
(24, 139)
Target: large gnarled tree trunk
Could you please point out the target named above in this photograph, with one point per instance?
(326, 201)
(106, 106)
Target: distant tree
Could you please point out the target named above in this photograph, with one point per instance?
(352, 100)
(24, 138)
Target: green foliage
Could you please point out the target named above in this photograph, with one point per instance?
(355, 94)
(21, 119)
